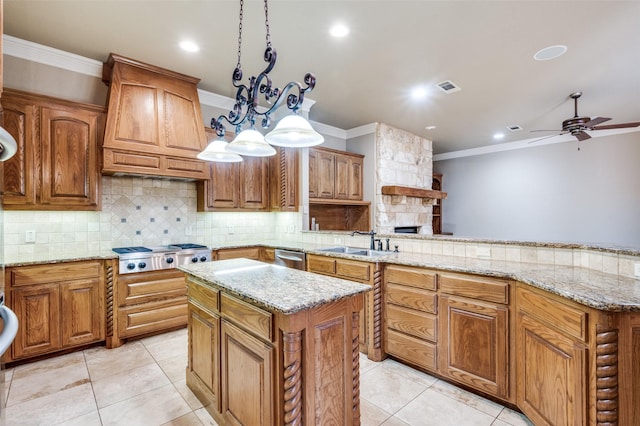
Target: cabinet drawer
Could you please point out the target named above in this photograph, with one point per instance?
(410, 297)
(487, 289)
(150, 286)
(414, 277)
(247, 316)
(203, 295)
(320, 264)
(360, 271)
(416, 351)
(562, 316)
(151, 317)
(50, 273)
(412, 322)
(246, 252)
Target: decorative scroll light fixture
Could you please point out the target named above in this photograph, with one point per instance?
(292, 131)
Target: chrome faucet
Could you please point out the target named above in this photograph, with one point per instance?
(371, 233)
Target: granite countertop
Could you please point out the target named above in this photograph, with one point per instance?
(47, 256)
(591, 288)
(272, 287)
(609, 292)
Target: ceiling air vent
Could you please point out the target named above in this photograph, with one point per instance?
(514, 128)
(448, 86)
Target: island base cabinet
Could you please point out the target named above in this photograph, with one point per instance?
(273, 368)
(204, 348)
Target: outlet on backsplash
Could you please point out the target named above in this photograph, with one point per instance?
(30, 236)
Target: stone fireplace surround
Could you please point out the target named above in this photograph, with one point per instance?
(402, 159)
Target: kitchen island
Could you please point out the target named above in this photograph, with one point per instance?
(271, 345)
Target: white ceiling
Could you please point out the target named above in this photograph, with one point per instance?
(485, 47)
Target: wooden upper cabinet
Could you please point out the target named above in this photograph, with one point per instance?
(56, 166)
(233, 186)
(335, 175)
(283, 180)
(154, 124)
(20, 172)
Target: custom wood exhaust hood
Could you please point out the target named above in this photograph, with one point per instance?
(154, 123)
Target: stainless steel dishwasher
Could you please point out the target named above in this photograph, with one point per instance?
(290, 259)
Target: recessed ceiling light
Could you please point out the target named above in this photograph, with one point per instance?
(189, 46)
(550, 52)
(339, 30)
(430, 127)
(419, 93)
(498, 136)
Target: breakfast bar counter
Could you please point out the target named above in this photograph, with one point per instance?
(271, 345)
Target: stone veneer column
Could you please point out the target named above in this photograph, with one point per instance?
(404, 159)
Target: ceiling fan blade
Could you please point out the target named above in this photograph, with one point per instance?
(595, 121)
(582, 136)
(617, 126)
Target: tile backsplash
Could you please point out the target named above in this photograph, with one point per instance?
(140, 211)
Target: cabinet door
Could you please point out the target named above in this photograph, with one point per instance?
(551, 383)
(283, 180)
(82, 313)
(70, 158)
(326, 174)
(20, 171)
(254, 186)
(247, 371)
(221, 190)
(314, 174)
(38, 310)
(341, 187)
(473, 344)
(355, 178)
(204, 350)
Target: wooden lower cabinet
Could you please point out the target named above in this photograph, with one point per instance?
(204, 355)
(247, 385)
(251, 367)
(235, 253)
(411, 332)
(59, 306)
(474, 344)
(366, 273)
(148, 303)
(552, 359)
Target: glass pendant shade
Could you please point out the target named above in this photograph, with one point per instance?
(293, 131)
(216, 151)
(250, 142)
(8, 145)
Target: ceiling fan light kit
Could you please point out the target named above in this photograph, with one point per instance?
(296, 133)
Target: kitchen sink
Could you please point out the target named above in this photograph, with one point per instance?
(358, 251)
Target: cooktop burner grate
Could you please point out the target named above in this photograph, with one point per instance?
(188, 246)
(126, 250)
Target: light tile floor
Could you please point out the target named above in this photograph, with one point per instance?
(143, 383)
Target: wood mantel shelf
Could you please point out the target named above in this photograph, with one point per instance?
(414, 192)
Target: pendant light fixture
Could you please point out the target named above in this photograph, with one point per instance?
(292, 131)
(217, 151)
(8, 145)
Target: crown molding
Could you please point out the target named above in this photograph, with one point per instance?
(526, 143)
(328, 130)
(367, 129)
(35, 52)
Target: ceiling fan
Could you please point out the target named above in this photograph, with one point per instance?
(578, 126)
